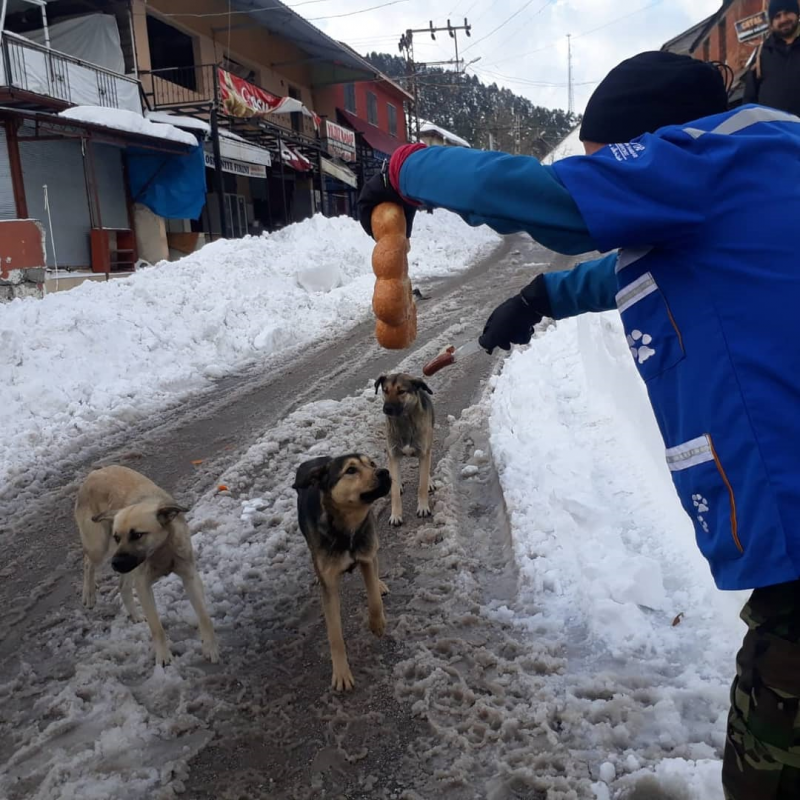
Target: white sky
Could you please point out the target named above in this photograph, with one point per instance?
(528, 54)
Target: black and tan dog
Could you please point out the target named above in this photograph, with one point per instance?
(334, 509)
(409, 432)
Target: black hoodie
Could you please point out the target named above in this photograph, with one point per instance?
(779, 85)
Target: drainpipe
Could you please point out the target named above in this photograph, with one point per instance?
(219, 186)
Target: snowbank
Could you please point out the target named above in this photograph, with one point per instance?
(104, 355)
(607, 559)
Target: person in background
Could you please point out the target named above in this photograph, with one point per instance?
(774, 79)
(701, 204)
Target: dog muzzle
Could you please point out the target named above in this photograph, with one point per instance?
(125, 563)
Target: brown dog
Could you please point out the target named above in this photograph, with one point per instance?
(120, 510)
(409, 432)
(334, 509)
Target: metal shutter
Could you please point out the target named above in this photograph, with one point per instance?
(8, 206)
(110, 186)
(59, 164)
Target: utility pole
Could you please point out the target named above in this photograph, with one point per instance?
(571, 91)
(406, 46)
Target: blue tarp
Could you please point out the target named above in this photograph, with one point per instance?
(172, 186)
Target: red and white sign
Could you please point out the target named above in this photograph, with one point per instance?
(295, 160)
(238, 98)
(340, 142)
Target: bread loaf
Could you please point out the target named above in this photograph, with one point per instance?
(392, 300)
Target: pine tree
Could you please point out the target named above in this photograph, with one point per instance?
(469, 108)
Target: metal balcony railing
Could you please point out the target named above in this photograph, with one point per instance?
(37, 70)
(194, 90)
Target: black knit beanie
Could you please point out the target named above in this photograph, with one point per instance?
(776, 6)
(649, 91)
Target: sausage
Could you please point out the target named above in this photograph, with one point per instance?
(440, 362)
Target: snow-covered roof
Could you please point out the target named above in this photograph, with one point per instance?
(120, 120)
(188, 123)
(448, 136)
(570, 145)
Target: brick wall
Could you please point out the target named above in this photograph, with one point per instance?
(722, 42)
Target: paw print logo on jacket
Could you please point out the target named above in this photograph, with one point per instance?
(639, 344)
(701, 504)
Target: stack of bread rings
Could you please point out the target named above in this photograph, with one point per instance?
(392, 300)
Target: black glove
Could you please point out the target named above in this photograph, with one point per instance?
(512, 321)
(378, 190)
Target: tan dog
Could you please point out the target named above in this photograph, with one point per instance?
(334, 510)
(120, 510)
(409, 432)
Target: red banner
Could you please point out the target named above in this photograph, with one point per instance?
(340, 141)
(239, 98)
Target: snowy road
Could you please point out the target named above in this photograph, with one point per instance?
(530, 650)
(265, 717)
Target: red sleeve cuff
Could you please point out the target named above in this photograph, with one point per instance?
(396, 164)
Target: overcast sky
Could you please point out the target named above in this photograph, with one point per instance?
(527, 54)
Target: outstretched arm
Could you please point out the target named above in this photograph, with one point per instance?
(510, 194)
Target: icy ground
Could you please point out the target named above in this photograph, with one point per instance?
(89, 362)
(541, 660)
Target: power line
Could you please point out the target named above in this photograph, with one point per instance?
(503, 23)
(253, 11)
(577, 35)
(521, 27)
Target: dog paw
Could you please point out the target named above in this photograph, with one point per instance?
(135, 617)
(211, 651)
(423, 509)
(396, 521)
(431, 487)
(342, 680)
(383, 587)
(88, 600)
(377, 625)
(163, 657)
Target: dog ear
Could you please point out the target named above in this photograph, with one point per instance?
(105, 516)
(311, 473)
(166, 514)
(379, 383)
(420, 385)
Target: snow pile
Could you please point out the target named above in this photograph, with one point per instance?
(607, 559)
(105, 355)
(121, 120)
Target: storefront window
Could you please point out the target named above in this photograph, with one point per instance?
(372, 109)
(392, 119)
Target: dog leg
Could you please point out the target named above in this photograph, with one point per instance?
(342, 678)
(194, 591)
(383, 587)
(377, 620)
(89, 584)
(126, 593)
(148, 602)
(396, 515)
(423, 506)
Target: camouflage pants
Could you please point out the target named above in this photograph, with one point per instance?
(762, 751)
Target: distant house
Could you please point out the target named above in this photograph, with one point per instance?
(729, 36)
(432, 134)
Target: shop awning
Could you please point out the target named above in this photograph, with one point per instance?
(341, 173)
(57, 124)
(375, 138)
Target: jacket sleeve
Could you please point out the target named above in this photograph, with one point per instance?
(750, 87)
(590, 286)
(510, 194)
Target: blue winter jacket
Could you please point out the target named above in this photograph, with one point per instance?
(707, 282)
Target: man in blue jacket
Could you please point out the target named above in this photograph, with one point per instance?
(702, 206)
